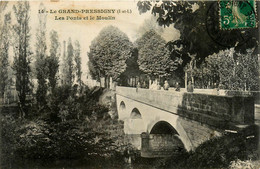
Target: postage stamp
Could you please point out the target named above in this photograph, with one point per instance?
(237, 14)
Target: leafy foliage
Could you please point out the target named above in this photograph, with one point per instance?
(191, 19)
(4, 48)
(53, 60)
(78, 62)
(220, 151)
(69, 66)
(109, 52)
(247, 71)
(72, 139)
(22, 50)
(41, 65)
(144, 6)
(84, 139)
(190, 24)
(153, 56)
(93, 69)
(233, 71)
(167, 33)
(132, 68)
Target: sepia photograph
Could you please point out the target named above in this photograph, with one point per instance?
(129, 84)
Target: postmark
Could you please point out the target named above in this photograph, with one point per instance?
(225, 37)
(237, 14)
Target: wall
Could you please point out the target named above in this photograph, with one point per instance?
(197, 132)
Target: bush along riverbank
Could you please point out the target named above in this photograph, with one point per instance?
(233, 150)
(71, 131)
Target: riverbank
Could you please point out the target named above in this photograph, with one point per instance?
(58, 136)
(232, 150)
(95, 139)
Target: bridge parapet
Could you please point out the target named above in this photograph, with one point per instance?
(214, 110)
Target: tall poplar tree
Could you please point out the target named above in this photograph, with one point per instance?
(77, 59)
(69, 76)
(41, 67)
(22, 50)
(53, 60)
(4, 48)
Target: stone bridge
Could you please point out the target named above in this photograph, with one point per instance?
(159, 122)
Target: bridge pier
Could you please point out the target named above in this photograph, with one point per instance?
(160, 145)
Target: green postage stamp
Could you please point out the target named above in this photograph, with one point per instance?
(237, 14)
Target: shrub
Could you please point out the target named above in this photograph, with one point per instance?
(220, 151)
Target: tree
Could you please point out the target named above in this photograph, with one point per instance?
(63, 64)
(190, 69)
(69, 73)
(53, 60)
(132, 68)
(4, 56)
(22, 51)
(180, 55)
(233, 70)
(247, 71)
(78, 62)
(167, 33)
(153, 56)
(198, 25)
(93, 69)
(41, 67)
(108, 53)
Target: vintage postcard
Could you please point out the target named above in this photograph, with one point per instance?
(159, 84)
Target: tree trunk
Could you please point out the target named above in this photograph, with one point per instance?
(186, 80)
(105, 81)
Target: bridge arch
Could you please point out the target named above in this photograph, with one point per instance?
(122, 106)
(163, 127)
(135, 114)
(165, 137)
(171, 127)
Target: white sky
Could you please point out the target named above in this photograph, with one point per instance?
(86, 31)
